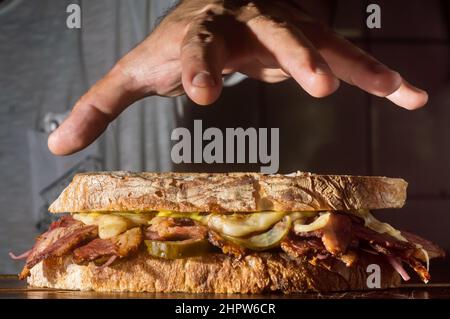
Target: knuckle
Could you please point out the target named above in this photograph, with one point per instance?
(273, 24)
(253, 8)
(202, 37)
(260, 18)
(202, 30)
(195, 44)
(212, 9)
(122, 73)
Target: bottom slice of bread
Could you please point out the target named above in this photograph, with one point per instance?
(214, 273)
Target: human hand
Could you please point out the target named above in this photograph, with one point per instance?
(200, 40)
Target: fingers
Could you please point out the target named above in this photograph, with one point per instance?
(356, 67)
(202, 61)
(408, 96)
(92, 114)
(296, 55)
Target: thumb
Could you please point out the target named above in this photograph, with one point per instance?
(92, 113)
(202, 61)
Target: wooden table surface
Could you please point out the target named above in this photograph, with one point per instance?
(12, 287)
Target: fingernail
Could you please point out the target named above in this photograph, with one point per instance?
(323, 68)
(203, 80)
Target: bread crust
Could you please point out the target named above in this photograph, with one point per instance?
(215, 273)
(231, 192)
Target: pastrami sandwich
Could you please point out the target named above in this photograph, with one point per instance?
(225, 233)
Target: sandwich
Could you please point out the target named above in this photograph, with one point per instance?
(225, 233)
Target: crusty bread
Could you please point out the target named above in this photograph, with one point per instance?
(215, 273)
(232, 192)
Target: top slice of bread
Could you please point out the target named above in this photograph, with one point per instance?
(230, 192)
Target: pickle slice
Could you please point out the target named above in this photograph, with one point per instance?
(270, 239)
(178, 249)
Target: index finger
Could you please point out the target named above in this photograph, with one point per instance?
(92, 113)
(358, 68)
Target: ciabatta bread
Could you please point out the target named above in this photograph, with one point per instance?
(232, 192)
(214, 273)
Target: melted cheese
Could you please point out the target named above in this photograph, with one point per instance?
(113, 224)
(238, 225)
(320, 222)
(371, 222)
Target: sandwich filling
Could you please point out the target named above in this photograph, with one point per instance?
(319, 237)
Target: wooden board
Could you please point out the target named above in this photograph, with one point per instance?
(12, 287)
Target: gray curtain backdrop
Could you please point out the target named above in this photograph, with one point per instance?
(45, 67)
